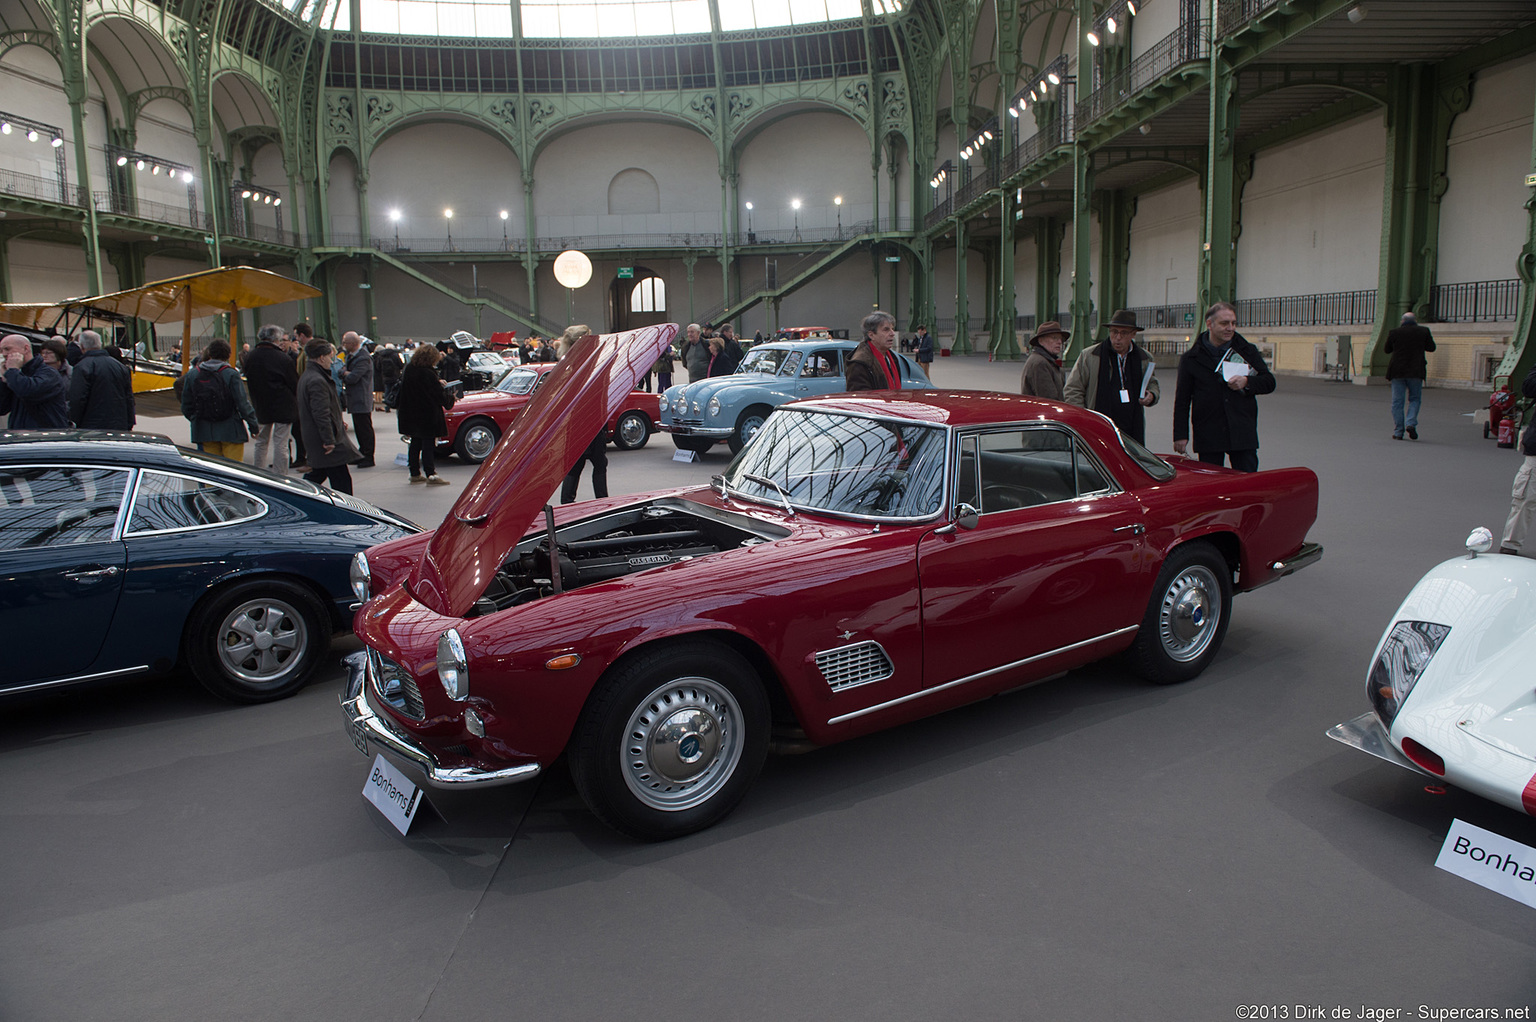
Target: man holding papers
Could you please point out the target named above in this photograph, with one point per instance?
(1117, 377)
(1219, 377)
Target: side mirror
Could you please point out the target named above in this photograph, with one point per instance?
(966, 516)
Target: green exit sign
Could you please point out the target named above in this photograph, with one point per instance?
(1189, 317)
(626, 273)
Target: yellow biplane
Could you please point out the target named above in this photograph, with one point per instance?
(189, 297)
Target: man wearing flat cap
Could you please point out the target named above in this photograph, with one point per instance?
(1042, 369)
(1112, 377)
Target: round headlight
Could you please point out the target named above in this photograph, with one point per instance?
(714, 406)
(661, 403)
(452, 665)
(360, 577)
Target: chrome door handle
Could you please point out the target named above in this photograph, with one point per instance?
(1135, 530)
(91, 575)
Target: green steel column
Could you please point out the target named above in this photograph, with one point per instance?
(1048, 269)
(1419, 114)
(71, 19)
(1005, 340)
(1114, 253)
(5, 269)
(1522, 352)
(362, 204)
(962, 342)
(874, 269)
(530, 254)
(370, 310)
(1082, 192)
(1218, 245)
(922, 283)
(689, 262)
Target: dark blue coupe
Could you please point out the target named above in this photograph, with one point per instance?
(122, 553)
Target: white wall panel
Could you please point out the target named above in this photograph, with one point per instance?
(1482, 219)
(45, 272)
(29, 83)
(812, 157)
(341, 196)
(425, 169)
(1312, 213)
(1165, 243)
(573, 175)
(164, 129)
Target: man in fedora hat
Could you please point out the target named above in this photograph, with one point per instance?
(1109, 376)
(1042, 369)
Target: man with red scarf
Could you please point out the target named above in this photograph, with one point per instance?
(873, 364)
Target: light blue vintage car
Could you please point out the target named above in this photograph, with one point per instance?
(732, 408)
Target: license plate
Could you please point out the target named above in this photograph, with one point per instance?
(358, 735)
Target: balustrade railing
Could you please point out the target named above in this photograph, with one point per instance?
(31, 186)
(1483, 301)
(1183, 45)
(1230, 14)
(1336, 308)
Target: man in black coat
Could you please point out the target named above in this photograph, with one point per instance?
(100, 388)
(271, 378)
(1219, 377)
(1406, 370)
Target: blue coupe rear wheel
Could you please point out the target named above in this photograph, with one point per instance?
(257, 641)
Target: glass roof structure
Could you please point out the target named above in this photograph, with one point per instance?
(556, 19)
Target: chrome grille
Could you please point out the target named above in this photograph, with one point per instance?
(396, 686)
(851, 666)
(692, 423)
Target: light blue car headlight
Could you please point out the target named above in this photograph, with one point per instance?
(661, 403)
(714, 406)
(1408, 648)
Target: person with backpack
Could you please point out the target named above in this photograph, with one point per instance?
(213, 397)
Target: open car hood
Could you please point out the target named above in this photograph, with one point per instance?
(496, 509)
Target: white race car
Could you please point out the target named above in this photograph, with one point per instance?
(1453, 681)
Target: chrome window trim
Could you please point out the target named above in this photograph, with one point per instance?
(981, 674)
(1079, 444)
(123, 502)
(265, 507)
(778, 504)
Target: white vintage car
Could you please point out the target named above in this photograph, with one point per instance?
(1451, 685)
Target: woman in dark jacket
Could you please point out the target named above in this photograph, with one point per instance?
(419, 411)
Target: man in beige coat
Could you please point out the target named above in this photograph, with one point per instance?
(1109, 377)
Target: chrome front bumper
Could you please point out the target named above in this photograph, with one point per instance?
(374, 734)
(687, 429)
(1366, 734)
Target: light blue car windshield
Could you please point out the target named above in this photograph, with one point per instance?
(844, 464)
(763, 360)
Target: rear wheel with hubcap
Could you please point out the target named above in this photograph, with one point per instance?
(670, 744)
(257, 641)
(747, 425)
(1186, 617)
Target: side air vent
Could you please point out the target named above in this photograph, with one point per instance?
(396, 686)
(851, 666)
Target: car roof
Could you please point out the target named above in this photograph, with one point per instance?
(806, 345)
(957, 408)
(109, 444)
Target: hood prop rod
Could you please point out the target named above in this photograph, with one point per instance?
(554, 553)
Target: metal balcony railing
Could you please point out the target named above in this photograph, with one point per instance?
(1336, 308)
(1231, 14)
(158, 212)
(1186, 44)
(1483, 301)
(30, 186)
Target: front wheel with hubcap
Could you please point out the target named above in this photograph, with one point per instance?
(1186, 617)
(257, 641)
(669, 744)
(747, 425)
(632, 431)
(476, 440)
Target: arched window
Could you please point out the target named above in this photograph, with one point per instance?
(648, 295)
(633, 191)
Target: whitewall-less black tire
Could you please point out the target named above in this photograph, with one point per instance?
(1186, 618)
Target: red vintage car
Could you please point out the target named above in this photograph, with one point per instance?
(477, 420)
(865, 560)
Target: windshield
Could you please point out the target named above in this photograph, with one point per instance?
(763, 360)
(844, 464)
(1150, 463)
(518, 381)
